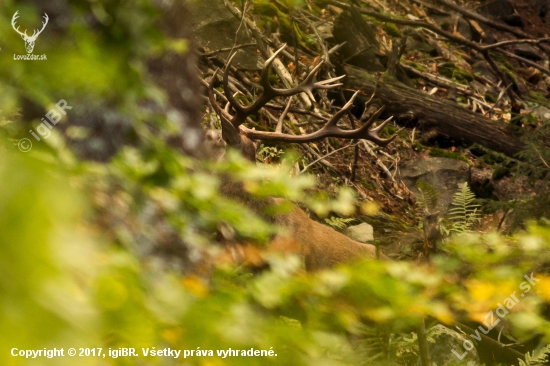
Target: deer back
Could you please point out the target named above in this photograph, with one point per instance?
(320, 246)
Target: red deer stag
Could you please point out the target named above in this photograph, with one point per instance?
(320, 246)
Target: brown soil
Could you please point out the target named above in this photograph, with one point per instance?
(533, 23)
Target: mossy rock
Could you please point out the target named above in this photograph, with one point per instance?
(418, 66)
(445, 26)
(485, 190)
(511, 75)
(452, 71)
(501, 172)
(417, 146)
(490, 98)
(392, 30)
(440, 153)
(265, 8)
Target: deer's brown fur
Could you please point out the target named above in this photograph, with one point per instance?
(320, 246)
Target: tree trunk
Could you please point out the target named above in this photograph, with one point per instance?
(446, 117)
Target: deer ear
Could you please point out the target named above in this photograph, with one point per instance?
(230, 134)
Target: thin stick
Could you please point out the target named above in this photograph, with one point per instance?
(498, 100)
(423, 345)
(279, 128)
(525, 61)
(244, 45)
(325, 156)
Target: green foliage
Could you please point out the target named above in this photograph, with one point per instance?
(388, 131)
(464, 212)
(489, 156)
(501, 172)
(102, 295)
(269, 153)
(428, 196)
(339, 223)
(79, 251)
(536, 358)
(537, 98)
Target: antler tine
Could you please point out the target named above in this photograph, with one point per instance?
(330, 129)
(13, 19)
(36, 32)
(234, 103)
(338, 115)
(364, 132)
(264, 77)
(308, 85)
(231, 125)
(372, 135)
(268, 93)
(228, 131)
(217, 108)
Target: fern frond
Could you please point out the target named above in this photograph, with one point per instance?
(339, 223)
(536, 358)
(464, 212)
(429, 196)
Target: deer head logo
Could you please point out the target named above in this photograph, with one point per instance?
(29, 40)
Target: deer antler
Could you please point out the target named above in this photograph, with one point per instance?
(13, 19)
(269, 92)
(24, 34)
(330, 129)
(36, 33)
(232, 124)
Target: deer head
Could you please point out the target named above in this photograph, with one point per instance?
(235, 135)
(320, 246)
(29, 40)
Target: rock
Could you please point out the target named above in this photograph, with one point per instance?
(479, 87)
(482, 68)
(447, 340)
(363, 233)
(404, 244)
(445, 175)
(542, 7)
(514, 20)
(497, 9)
(481, 183)
(542, 113)
(419, 44)
(528, 51)
(360, 37)
(214, 28)
(324, 29)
